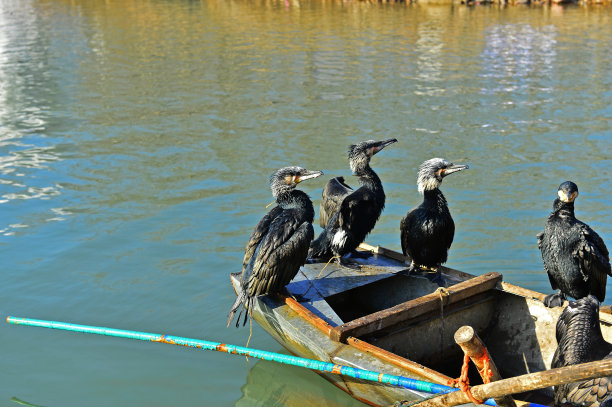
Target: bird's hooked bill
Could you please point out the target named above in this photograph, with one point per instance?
(384, 143)
(454, 168)
(309, 175)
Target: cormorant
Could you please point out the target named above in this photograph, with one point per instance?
(427, 230)
(575, 257)
(348, 215)
(279, 244)
(580, 340)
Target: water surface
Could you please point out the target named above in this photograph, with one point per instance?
(137, 138)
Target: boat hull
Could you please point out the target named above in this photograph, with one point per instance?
(374, 316)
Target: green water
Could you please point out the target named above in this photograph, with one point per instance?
(137, 137)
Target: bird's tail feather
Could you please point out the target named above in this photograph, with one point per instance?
(320, 248)
(237, 304)
(244, 304)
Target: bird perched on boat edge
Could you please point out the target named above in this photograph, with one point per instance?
(427, 231)
(579, 340)
(348, 215)
(575, 257)
(279, 244)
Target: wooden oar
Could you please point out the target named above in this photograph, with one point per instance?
(524, 383)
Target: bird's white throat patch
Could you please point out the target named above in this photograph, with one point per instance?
(427, 183)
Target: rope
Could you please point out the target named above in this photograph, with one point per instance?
(443, 293)
(372, 268)
(250, 333)
(319, 275)
(463, 382)
(486, 373)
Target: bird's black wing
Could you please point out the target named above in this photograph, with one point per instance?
(590, 392)
(245, 297)
(258, 233)
(408, 225)
(280, 254)
(594, 259)
(579, 342)
(541, 245)
(334, 193)
(358, 213)
(404, 234)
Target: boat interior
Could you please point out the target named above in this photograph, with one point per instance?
(376, 300)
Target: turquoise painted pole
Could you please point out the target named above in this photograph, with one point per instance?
(400, 381)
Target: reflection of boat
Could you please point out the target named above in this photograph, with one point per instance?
(273, 385)
(376, 317)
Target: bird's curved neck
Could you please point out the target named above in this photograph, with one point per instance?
(296, 199)
(563, 209)
(369, 179)
(434, 197)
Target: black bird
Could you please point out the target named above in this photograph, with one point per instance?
(427, 230)
(279, 244)
(575, 257)
(348, 215)
(580, 340)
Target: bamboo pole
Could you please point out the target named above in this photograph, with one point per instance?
(324, 367)
(473, 346)
(524, 383)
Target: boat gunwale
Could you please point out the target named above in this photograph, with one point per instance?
(416, 307)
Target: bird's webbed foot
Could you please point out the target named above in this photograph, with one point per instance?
(554, 300)
(433, 274)
(436, 278)
(345, 262)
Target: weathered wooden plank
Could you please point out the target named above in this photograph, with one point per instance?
(523, 292)
(392, 254)
(307, 315)
(414, 308)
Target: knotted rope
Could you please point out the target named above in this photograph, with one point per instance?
(463, 382)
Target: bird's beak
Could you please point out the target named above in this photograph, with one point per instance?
(454, 168)
(564, 198)
(382, 144)
(308, 175)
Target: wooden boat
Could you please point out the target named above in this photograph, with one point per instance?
(375, 316)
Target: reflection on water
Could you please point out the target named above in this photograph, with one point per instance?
(137, 138)
(25, 153)
(267, 385)
(517, 53)
(429, 47)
